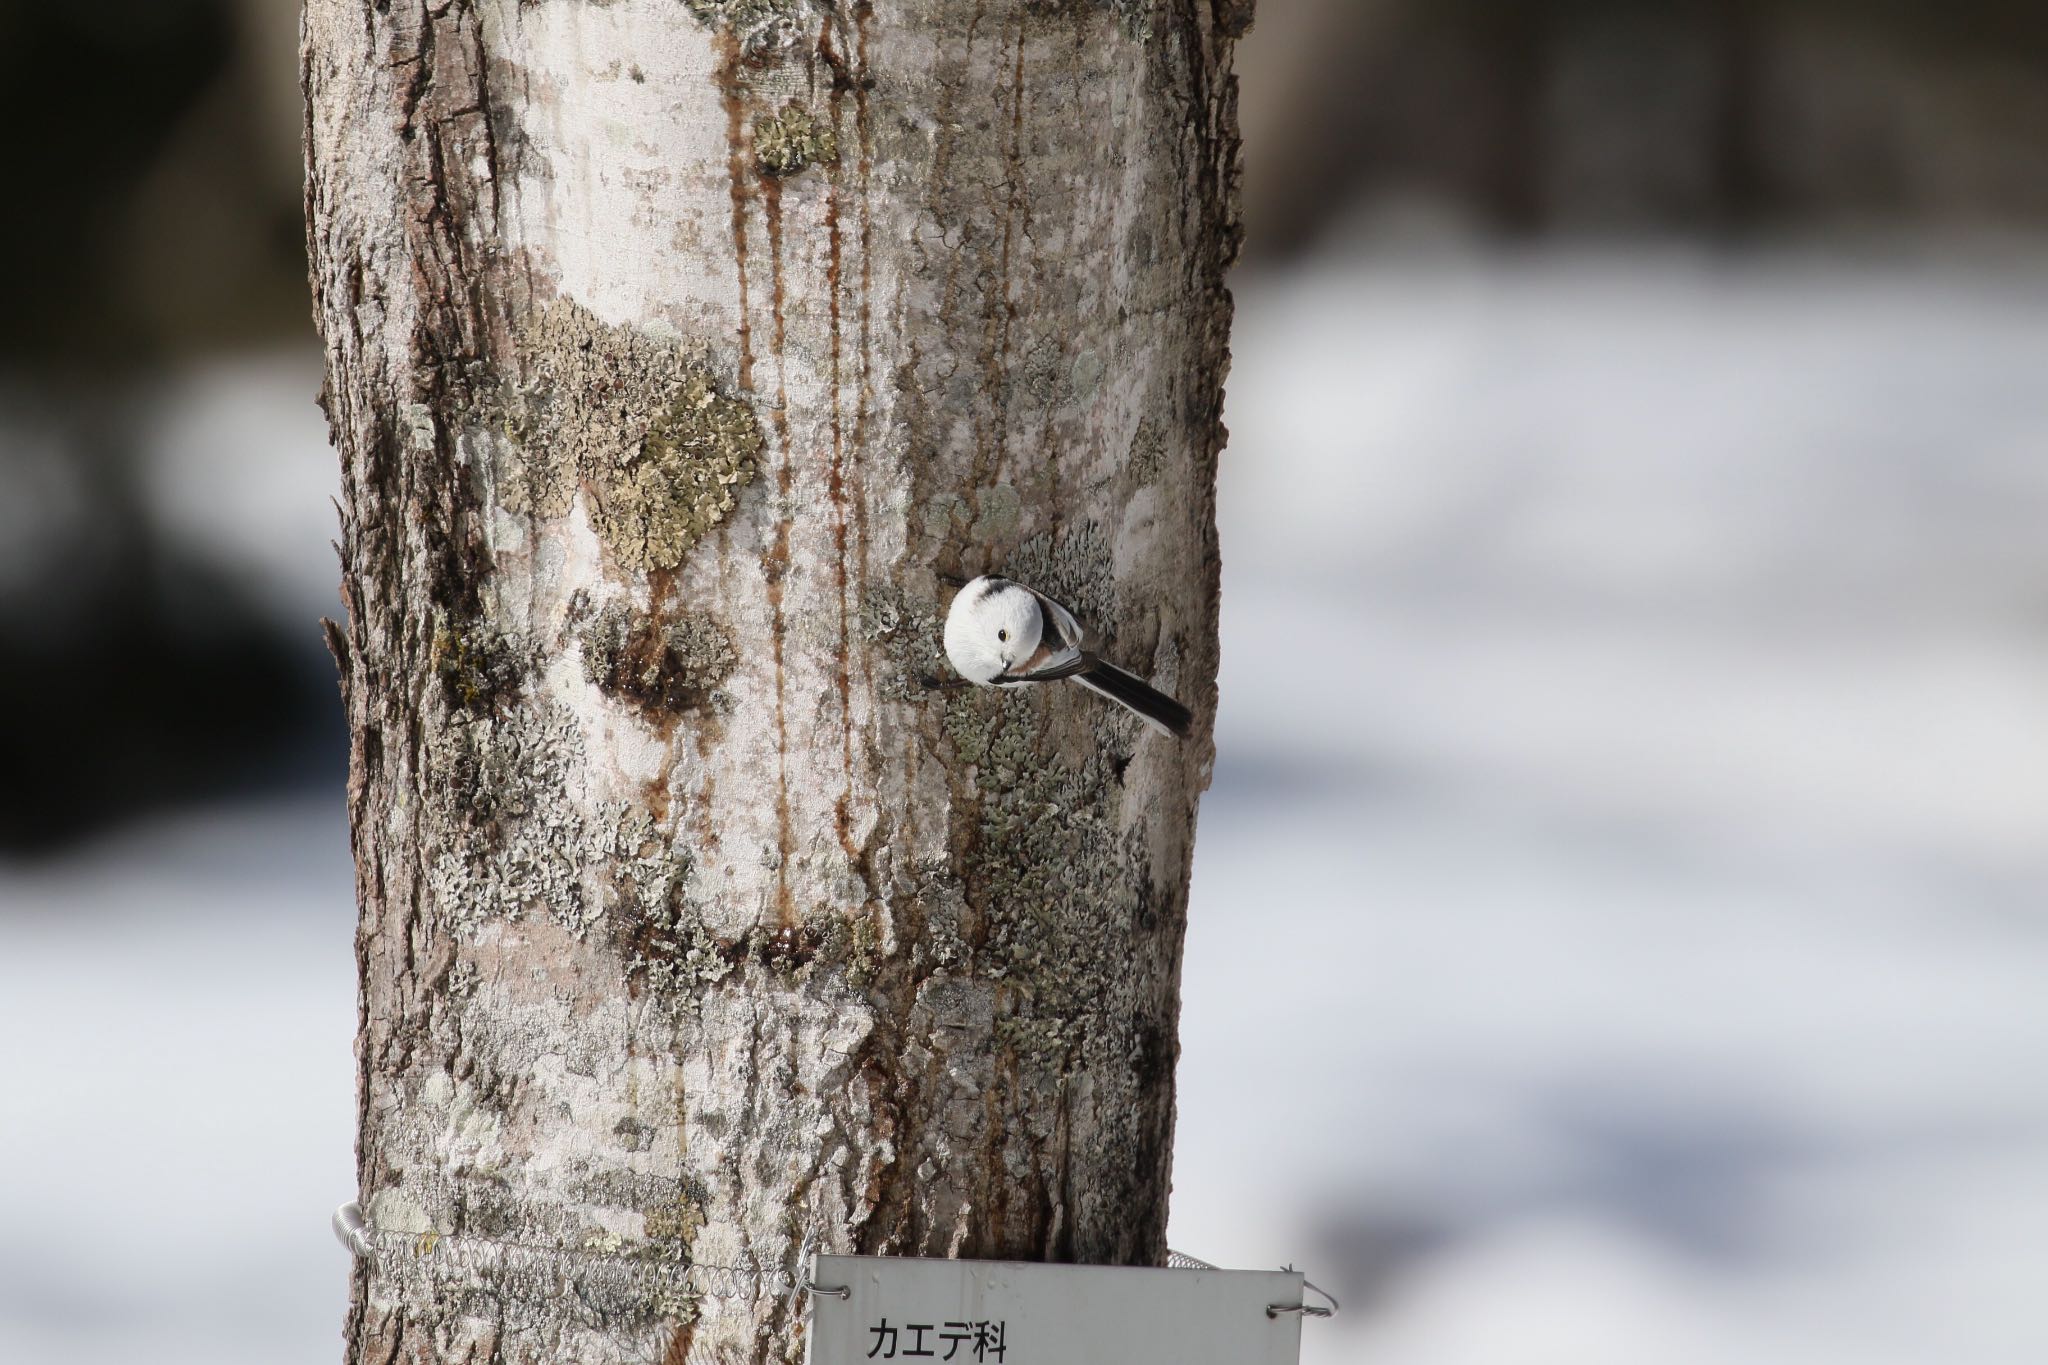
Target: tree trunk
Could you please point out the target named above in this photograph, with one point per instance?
(681, 354)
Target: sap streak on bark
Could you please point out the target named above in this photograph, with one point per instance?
(679, 352)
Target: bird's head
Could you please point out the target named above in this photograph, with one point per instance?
(992, 627)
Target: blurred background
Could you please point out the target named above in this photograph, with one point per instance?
(1620, 928)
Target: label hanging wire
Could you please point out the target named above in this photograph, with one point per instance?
(355, 1234)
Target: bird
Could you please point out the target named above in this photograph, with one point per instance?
(1001, 633)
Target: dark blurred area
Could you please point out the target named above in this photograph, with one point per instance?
(157, 223)
(159, 161)
(1728, 118)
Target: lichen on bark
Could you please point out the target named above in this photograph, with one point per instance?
(508, 840)
(786, 142)
(478, 666)
(760, 27)
(904, 633)
(638, 420)
(696, 923)
(1055, 864)
(661, 665)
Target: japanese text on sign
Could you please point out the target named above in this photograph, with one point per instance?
(984, 1339)
(906, 1310)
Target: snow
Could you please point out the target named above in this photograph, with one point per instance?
(179, 1005)
(1619, 928)
(1618, 924)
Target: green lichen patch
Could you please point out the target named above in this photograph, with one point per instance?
(999, 511)
(787, 142)
(678, 1222)
(655, 503)
(638, 419)
(1145, 462)
(762, 28)
(662, 666)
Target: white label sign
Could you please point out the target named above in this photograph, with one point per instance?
(930, 1312)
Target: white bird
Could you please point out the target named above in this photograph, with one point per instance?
(999, 633)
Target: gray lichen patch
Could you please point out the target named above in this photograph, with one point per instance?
(623, 1237)
(638, 419)
(645, 873)
(906, 633)
(511, 838)
(660, 934)
(660, 665)
(853, 944)
(508, 837)
(1059, 888)
(1075, 566)
(621, 1287)
(762, 28)
(787, 142)
(668, 949)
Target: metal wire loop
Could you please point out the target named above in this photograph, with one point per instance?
(349, 1229)
(1307, 1310)
(354, 1232)
(459, 1255)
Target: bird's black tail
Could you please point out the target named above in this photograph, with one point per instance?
(1154, 707)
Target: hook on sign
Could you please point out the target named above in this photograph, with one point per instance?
(1307, 1310)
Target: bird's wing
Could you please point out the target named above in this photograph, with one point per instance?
(1062, 645)
(1050, 666)
(1057, 621)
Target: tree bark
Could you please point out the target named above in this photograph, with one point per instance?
(681, 353)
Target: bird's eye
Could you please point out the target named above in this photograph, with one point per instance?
(1002, 635)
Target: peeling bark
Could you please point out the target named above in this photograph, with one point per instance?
(680, 352)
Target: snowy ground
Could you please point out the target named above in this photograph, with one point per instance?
(1621, 920)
